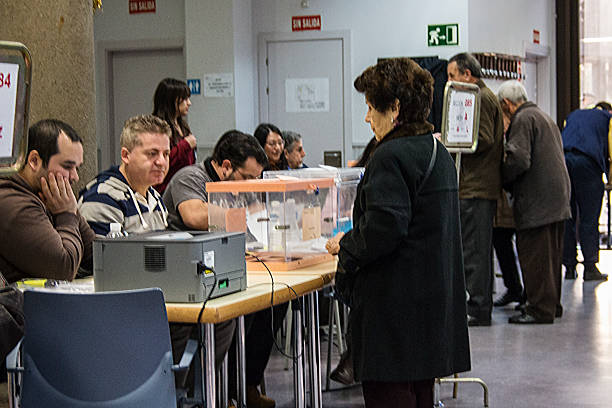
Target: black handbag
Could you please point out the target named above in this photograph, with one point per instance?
(11, 318)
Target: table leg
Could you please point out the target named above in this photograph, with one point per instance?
(314, 351)
(207, 361)
(298, 367)
(240, 349)
(223, 391)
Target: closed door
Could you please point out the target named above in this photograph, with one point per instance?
(304, 93)
(134, 77)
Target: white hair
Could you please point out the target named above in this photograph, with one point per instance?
(514, 91)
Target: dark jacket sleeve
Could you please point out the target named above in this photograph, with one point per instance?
(518, 149)
(385, 198)
(87, 236)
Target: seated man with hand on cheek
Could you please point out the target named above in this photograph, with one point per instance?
(43, 233)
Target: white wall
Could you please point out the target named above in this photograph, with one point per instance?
(245, 66)
(507, 27)
(378, 29)
(114, 22)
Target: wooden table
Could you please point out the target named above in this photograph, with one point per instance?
(257, 296)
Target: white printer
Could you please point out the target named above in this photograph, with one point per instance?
(182, 264)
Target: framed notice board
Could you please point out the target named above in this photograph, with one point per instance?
(461, 117)
(15, 82)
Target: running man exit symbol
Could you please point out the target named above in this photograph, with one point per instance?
(442, 34)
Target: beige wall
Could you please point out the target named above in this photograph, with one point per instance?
(59, 35)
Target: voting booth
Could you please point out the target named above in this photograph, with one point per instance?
(15, 82)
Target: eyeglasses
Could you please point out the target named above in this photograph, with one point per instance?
(245, 176)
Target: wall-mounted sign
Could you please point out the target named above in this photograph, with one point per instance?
(536, 36)
(219, 85)
(194, 86)
(303, 23)
(142, 6)
(307, 95)
(442, 34)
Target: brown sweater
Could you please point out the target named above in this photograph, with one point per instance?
(35, 243)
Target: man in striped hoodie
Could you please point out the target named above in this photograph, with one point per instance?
(123, 194)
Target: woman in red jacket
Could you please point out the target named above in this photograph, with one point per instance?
(171, 102)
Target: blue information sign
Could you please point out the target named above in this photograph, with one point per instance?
(194, 86)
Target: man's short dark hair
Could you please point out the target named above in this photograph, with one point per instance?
(604, 105)
(43, 135)
(290, 138)
(263, 130)
(237, 147)
(465, 61)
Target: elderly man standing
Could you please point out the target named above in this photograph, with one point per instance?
(294, 150)
(585, 142)
(534, 171)
(479, 188)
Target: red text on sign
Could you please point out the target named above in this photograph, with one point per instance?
(5, 80)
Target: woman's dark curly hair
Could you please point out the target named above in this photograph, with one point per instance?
(402, 79)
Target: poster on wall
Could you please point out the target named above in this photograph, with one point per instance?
(219, 85)
(9, 76)
(306, 95)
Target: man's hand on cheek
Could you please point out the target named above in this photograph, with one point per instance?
(57, 194)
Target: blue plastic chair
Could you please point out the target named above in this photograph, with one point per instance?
(95, 350)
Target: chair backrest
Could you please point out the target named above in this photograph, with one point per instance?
(97, 350)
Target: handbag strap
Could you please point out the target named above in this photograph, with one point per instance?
(432, 162)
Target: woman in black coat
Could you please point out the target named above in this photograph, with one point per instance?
(400, 267)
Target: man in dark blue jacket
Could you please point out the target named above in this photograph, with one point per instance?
(585, 143)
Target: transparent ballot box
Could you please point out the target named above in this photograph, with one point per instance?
(287, 222)
(343, 191)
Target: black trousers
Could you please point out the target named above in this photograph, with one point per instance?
(413, 394)
(504, 249)
(540, 251)
(476, 236)
(260, 329)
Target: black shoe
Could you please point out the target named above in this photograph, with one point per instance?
(559, 311)
(526, 318)
(343, 373)
(506, 299)
(473, 321)
(591, 273)
(570, 272)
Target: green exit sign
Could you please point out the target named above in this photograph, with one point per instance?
(442, 34)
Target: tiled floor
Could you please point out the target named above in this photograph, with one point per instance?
(564, 365)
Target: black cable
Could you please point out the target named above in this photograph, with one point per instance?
(200, 339)
(278, 348)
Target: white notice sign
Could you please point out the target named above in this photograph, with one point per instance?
(307, 95)
(219, 85)
(461, 117)
(8, 101)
